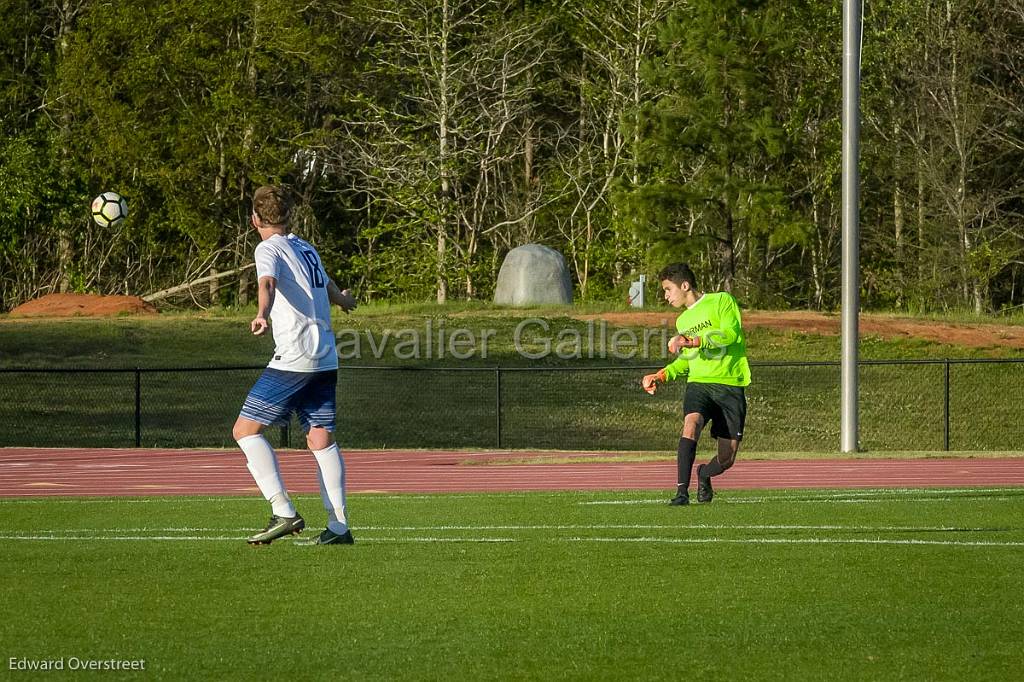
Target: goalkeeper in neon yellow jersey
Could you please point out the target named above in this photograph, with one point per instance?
(713, 359)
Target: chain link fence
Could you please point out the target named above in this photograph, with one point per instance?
(931, 405)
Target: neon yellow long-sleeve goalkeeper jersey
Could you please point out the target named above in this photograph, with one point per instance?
(722, 356)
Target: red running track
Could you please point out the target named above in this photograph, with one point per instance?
(39, 472)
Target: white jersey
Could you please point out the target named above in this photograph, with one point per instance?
(301, 315)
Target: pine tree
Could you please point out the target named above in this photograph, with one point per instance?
(713, 142)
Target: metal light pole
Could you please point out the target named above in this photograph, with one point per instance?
(852, 26)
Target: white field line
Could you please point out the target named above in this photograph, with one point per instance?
(653, 540)
(566, 526)
(382, 538)
(867, 495)
(895, 494)
(172, 538)
(159, 538)
(688, 526)
(848, 495)
(63, 531)
(867, 500)
(34, 498)
(803, 541)
(840, 500)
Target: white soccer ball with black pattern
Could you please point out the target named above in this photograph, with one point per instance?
(109, 209)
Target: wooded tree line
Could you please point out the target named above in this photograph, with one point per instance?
(425, 138)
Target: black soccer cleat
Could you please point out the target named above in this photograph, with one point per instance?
(704, 490)
(680, 500)
(278, 527)
(329, 537)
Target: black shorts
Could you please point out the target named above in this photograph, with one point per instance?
(724, 407)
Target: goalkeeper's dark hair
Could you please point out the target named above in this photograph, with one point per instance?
(678, 273)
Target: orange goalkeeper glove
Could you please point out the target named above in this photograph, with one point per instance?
(650, 382)
(677, 343)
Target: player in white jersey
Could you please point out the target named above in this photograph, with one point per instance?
(296, 294)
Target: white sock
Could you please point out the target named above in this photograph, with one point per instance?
(332, 486)
(262, 463)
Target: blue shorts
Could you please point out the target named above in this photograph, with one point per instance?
(277, 394)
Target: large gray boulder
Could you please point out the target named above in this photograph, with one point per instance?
(533, 275)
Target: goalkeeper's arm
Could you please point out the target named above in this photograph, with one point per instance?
(677, 368)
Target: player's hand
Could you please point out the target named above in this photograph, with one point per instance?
(679, 342)
(259, 326)
(650, 382)
(348, 302)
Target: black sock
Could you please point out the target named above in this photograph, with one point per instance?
(684, 463)
(712, 468)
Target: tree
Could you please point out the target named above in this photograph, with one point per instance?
(808, 84)
(28, 172)
(713, 141)
(444, 126)
(599, 148)
(184, 109)
(952, 134)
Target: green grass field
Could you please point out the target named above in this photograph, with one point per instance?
(782, 585)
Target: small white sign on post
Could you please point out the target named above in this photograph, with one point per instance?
(636, 292)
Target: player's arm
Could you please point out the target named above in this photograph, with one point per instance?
(266, 290)
(677, 368)
(342, 298)
(681, 341)
(728, 324)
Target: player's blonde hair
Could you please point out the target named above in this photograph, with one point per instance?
(272, 204)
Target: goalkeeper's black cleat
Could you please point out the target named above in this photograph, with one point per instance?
(329, 537)
(680, 500)
(278, 527)
(704, 490)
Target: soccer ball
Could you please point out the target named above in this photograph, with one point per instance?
(109, 209)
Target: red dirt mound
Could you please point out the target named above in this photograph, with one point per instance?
(83, 305)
